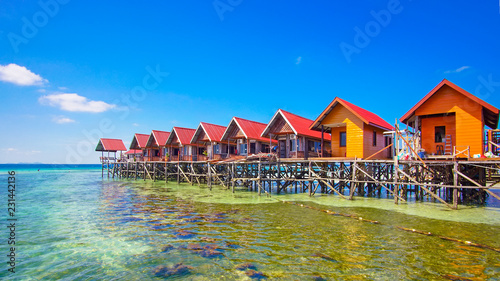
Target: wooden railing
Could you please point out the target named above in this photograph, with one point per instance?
(461, 151)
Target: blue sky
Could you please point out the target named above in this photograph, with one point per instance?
(74, 71)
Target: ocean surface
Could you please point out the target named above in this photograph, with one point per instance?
(73, 225)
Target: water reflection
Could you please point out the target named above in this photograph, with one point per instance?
(150, 227)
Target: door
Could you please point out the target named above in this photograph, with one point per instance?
(282, 145)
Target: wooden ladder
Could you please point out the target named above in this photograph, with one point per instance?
(448, 147)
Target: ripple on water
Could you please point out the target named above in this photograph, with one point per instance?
(80, 228)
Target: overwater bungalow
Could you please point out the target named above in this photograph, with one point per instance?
(110, 145)
(210, 135)
(133, 155)
(139, 143)
(355, 132)
(247, 136)
(156, 145)
(451, 121)
(180, 146)
(295, 139)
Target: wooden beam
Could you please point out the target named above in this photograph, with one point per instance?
(327, 184)
(474, 182)
(388, 189)
(371, 156)
(424, 188)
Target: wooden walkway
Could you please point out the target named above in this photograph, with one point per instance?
(448, 182)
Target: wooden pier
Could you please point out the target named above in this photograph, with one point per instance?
(448, 182)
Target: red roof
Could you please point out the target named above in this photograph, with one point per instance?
(491, 116)
(363, 114)
(184, 135)
(157, 138)
(139, 141)
(299, 125)
(110, 145)
(213, 132)
(251, 129)
(134, 151)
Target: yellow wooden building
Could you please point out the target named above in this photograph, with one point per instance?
(355, 132)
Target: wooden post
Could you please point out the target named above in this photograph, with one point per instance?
(322, 139)
(396, 186)
(107, 165)
(353, 185)
(154, 171)
(396, 163)
(145, 169)
(209, 176)
(270, 142)
(259, 180)
(102, 164)
(455, 184)
(136, 165)
(232, 177)
(192, 173)
(278, 182)
(310, 181)
(178, 171)
(166, 177)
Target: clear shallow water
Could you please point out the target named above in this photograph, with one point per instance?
(73, 225)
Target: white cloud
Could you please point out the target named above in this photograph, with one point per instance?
(10, 149)
(20, 75)
(62, 120)
(135, 124)
(62, 88)
(460, 69)
(75, 103)
(42, 90)
(299, 60)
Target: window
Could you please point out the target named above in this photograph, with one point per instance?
(374, 138)
(292, 145)
(264, 148)
(343, 139)
(217, 149)
(439, 133)
(314, 146)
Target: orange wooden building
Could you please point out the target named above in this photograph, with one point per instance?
(355, 132)
(451, 121)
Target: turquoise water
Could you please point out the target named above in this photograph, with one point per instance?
(72, 225)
